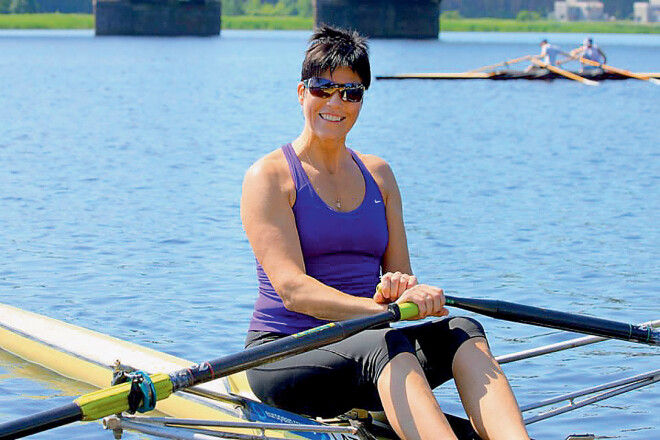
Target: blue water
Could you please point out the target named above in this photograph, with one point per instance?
(121, 167)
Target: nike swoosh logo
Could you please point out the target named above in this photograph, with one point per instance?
(378, 201)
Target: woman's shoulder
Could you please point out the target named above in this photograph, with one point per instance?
(376, 165)
(379, 169)
(269, 166)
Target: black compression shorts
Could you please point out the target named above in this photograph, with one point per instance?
(334, 379)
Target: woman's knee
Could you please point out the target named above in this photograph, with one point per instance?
(466, 327)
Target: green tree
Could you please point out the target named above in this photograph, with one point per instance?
(528, 16)
(304, 8)
(232, 7)
(4, 6)
(450, 15)
(268, 8)
(23, 6)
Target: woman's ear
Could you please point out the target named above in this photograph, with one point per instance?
(301, 92)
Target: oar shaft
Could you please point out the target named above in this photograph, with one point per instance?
(42, 421)
(558, 320)
(564, 73)
(503, 63)
(279, 349)
(613, 69)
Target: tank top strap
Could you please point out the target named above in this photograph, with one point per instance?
(295, 167)
(371, 185)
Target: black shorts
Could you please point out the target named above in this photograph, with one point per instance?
(334, 379)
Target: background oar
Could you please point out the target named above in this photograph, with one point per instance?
(623, 72)
(557, 320)
(114, 400)
(503, 63)
(562, 72)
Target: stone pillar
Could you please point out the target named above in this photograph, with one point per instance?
(158, 17)
(382, 18)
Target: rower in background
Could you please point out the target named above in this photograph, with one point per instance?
(548, 55)
(589, 51)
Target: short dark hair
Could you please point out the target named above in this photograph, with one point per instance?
(331, 48)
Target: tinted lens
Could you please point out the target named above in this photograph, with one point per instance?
(320, 92)
(353, 94)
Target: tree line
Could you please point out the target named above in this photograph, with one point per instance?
(229, 7)
(621, 9)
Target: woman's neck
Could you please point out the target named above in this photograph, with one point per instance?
(323, 154)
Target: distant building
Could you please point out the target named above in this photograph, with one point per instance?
(647, 12)
(579, 10)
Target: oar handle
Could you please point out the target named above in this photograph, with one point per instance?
(408, 310)
(404, 310)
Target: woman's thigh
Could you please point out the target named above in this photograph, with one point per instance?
(333, 379)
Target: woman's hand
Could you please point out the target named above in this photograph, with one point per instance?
(392, 286)
(429, 299)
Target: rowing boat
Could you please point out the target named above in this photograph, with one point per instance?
(227, 406)
(228, 403)
(91, 357)
(507, 74)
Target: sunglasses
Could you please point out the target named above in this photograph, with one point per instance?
(324, 88)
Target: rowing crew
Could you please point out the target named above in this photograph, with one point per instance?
(588, 51)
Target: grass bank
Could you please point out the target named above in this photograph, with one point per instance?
(46, 21)
(510, 25)
(270, 23)
(86, 21)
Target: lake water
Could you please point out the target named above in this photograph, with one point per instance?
(121, 167)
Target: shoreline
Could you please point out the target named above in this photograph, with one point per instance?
(86, 21)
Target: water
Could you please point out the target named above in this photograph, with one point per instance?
(122, 161)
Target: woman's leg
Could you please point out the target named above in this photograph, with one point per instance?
(409, 403)
(486, 394)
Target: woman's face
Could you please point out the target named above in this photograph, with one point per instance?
(330, 118)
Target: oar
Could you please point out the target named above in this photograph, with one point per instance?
(557, 320)
(503, 63)
(623, 72)
(112, 400)
(566, 73)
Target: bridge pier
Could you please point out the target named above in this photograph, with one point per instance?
(158, 17)
(382, 18)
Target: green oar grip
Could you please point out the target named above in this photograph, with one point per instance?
(113, 400)
(408, 311)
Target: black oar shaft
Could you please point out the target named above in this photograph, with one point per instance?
(555, 319)
(278, 349)
(42, 421)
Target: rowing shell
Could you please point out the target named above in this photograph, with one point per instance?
(534, 74)
(90, 357)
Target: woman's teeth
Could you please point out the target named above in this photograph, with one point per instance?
(331, 118)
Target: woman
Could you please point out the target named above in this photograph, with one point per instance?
(324, 222)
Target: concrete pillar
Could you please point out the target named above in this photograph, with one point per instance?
(382, 18)
(158, 17)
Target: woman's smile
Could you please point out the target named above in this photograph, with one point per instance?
(331, 118)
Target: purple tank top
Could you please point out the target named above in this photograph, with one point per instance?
(341, 249)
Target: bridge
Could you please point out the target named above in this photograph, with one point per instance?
(374, 18)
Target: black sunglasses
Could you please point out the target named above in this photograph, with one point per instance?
(324, 88)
